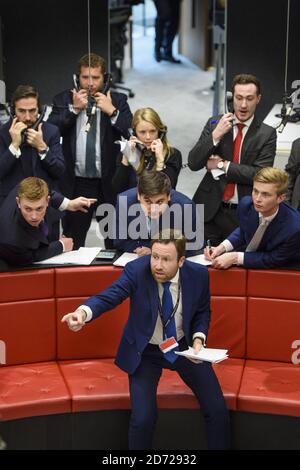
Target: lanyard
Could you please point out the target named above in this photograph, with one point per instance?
(165, 323)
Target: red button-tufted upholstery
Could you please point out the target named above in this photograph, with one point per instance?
(97, 340)
(27, 285)
(28, 330)
(270, 387)
(255, 315)
(84, 282)
(232, 282)
(96, 385)
(274, 284)
(101, 385)
(228, 325)
(273, 325)
(32, 390)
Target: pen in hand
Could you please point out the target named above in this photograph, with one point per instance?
(208, 244)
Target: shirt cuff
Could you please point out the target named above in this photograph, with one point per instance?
(43, 155)
(63, 246)
(64, 204)
(73, 110)
(227, 166)
(215, 142)
(200, 335)
(227, 245)
(113, 120)
(88, 311)
(240, 259)
(14, 151)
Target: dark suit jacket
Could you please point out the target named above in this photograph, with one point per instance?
(258, 151)
(22, 244)
(13, 170)
(65, 120)
(187, 223)
(280, 243)
(293, 169)
(125, 176)
(137, 282)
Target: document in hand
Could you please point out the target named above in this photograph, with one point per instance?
(206, 354)
(200, 259)
(124, 259)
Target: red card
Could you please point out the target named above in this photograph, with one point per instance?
(168, 344)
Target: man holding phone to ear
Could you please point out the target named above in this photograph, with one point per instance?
(232, 148)
(27, 147)
(90, 156)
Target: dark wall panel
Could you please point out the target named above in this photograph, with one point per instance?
(256, 40)
(43, 40)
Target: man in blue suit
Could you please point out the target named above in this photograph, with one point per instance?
(26, 147)
(153, 206)
(269, 232)
(27, 217)
(148, 281)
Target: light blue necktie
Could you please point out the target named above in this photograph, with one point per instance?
(167, 309)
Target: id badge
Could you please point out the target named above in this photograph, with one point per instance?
(168, 344)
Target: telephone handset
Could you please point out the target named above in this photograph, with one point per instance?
(149, 156)
(34, 125)
(229, 102)
(76, 82)
(107, 82)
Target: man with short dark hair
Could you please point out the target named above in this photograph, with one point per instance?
(27, 218)
(232, 148)
(90, 151)
(143, 211)
(28, 149)
(268, 235)
(170, 299)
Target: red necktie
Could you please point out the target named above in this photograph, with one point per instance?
(229, 188)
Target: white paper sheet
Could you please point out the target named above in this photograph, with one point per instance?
(83, 256)
(124, 259)
(200, 259)
(206, 354)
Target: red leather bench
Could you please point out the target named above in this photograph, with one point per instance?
(51, 371)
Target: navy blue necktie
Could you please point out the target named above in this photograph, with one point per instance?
(44, 228)
(167, 309)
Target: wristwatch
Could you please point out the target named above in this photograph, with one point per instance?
(114, 113)
(220, 165)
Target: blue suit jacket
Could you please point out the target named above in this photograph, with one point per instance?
(280, 243)
(13, 170)
(124, 220)
(137, 282)
(20, 243)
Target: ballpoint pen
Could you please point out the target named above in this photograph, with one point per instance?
(208, 244)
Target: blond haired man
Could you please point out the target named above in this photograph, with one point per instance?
(269, 229)
(27, 217)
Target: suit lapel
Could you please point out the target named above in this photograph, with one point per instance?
(252, 131)
(252, 221)
(103, 127)
(152, 290)
(227, 146)
(185, 296)
(273, 228)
